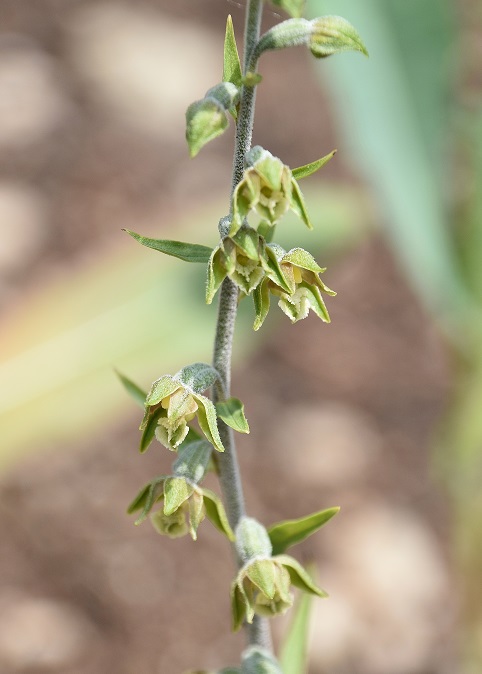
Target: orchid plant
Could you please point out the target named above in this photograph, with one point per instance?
(192, 412)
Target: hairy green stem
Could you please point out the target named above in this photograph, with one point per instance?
(229, 476)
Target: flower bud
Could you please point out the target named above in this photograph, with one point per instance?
(252, 539)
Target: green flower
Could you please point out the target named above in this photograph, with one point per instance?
(174, 401)
(304, 287)
(268, 187)
(239, 257)
(185, 503)
(263, 587)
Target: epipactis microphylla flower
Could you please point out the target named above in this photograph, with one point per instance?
(174, 401)
(268, 187)
(185, 503)
(301, 274)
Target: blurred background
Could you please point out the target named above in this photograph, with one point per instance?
(379, 412)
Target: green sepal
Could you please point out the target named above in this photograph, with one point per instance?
(301, 258)
(216, 275)
(261, 303)
(333, 34)
(176, 491)
(263, 574)
(294, 8)
(285, 534)
(266, 230)
(161, 388)
(188, 252)
(147, 497)
(272, 267)
(231, 65)
(216, 514)
(149, 429)
(197, 376)
(313, 167)
(196, 512)
(300, 578)
(208, 422)
(298, 204)
(205, 120)
(231, 411)
(135, 392)
(247, 240)
(238, 606)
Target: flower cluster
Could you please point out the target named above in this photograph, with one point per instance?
(256, 266)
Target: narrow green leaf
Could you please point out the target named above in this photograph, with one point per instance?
(232, 65)
(309, 169)
(293, 656)
(285, 534)
(189, 252)
(216, 514)
(231, 411)
(132, 389)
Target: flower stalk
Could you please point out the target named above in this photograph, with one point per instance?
(228, 468)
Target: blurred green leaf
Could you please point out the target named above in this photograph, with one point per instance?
(292, 7)
(189, 252)
(393, 111)
(293, 656)
(133, 390)
(290, 532)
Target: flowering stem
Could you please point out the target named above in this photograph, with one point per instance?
(229, 475)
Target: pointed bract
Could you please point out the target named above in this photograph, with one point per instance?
(232, 65)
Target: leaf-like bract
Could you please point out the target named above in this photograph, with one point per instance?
(189, 252)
